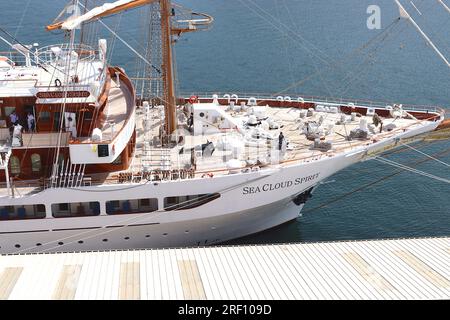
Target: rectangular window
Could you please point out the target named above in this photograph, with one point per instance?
(44, 116)
(131, 206)
(77, 209)
(22, 212)
(9, 110)
(56, 120)
(115, 204)
(148, 205)
(39, 209)
(188, 202)
(63, 207)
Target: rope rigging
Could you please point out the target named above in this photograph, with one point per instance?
(364, 187)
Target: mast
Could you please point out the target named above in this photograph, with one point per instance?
(168, 74)
(167, 31)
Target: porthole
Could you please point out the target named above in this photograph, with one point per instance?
(127, 238)
(187, 231)
(147, 236)
(81, 242)
(38, 244)
(202, 114)
(105, 240)
(17, 246)
(60, 243)
(165, 234)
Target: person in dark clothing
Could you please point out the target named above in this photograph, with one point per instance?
(280, 141)
(191, 121)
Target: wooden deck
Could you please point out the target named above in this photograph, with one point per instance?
(379, 269)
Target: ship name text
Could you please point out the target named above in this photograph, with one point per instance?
(279, 185)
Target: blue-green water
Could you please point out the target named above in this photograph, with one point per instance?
(266, 46)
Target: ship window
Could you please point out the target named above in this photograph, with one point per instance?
(115, 204)
(39, 209)
(9, 110)
(88, 115)
(188, 202)
(131, 206)
(44, 116)
(15, 165)
(63, 207)
(56, 120)
(35, 162)
(76, 209)
(22, 212)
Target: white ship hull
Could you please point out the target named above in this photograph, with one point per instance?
(249, 203)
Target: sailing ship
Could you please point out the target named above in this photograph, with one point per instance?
(87, 165)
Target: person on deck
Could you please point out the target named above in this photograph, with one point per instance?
(31, 122)
(191, 121)
(281, 140)
(14, 118)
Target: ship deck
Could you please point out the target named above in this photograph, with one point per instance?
(153, 161)
(299, 148)
(369, 270)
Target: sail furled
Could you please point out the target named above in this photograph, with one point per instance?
(104, 10)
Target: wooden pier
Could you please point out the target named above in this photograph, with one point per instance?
(378, 269)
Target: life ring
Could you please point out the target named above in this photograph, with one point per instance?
(58, 83)
(193, 99)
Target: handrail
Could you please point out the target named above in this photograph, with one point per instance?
(126, 81)
(317, 99)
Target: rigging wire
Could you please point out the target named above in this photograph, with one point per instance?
(401, 166)
(285, 38)
(283, 28)
(21, 19)
(423, 153)
(126, 43)
(361, 188)
(341, 62)
(356, 51)
(289, 30)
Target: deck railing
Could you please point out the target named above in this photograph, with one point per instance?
(313, 99)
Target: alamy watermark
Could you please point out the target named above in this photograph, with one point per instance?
(374, 19)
